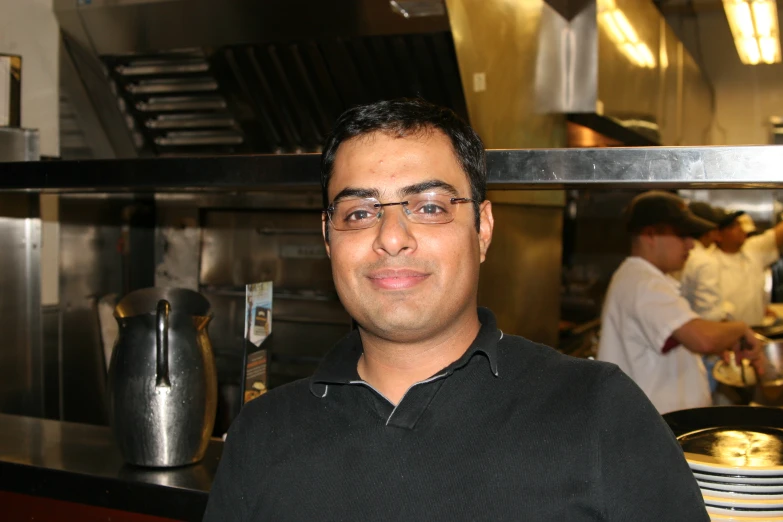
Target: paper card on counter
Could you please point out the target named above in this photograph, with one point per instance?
(258, 326)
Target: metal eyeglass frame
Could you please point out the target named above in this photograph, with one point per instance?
(330, 210)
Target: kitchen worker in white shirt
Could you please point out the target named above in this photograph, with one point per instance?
(699, 283)
(740, 264)
(648, 329)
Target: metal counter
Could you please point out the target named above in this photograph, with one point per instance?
(80, 463)
(636, 168)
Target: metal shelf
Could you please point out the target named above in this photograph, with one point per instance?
(640, 167)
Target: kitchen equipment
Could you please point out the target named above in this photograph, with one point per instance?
(686, 421)
(162, 378)
(736, 455)
(766, 390)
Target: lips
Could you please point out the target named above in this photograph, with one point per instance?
(396, 279)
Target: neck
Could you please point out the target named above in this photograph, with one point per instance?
(729, 249)
(392, 367)
(705, 243)
(640, 252)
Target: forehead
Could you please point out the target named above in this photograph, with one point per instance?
(388, 162)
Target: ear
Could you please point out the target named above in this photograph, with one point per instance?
(486, 226)
(325, 234)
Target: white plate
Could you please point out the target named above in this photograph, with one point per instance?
(714, 517)
(713, 465)
(753, 515)
(735, 450)
(747, 496)
(741, 488)
(738, 479)
(759, 504)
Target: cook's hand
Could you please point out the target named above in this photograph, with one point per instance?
(751, 348)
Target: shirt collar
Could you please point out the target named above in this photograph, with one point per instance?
(654, 270)
(339, 365)
(646, 264)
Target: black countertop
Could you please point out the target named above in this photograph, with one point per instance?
(80, 463)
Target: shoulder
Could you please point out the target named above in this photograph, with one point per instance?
(543, 363)
(586, 392)
(636, 273)
(637, 283)
(700, 258)
(276, 406)
(762, 244)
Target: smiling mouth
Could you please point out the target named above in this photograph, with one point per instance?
(396, 279)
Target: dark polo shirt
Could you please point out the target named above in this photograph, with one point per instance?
(513, 430)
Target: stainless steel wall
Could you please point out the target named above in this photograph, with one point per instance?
(582, 67)
(22, 376)
(520, 279)
(671, 98)
(497, 43)
(91, 268)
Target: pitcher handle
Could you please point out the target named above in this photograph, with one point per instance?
(162, 344)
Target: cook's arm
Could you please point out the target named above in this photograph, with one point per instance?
(711, 337)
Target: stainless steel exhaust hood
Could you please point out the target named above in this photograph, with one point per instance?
(183, 77)
(203, 77)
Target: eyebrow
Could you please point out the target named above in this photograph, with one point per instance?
(356, 192)
(418, 188)
(424, 186)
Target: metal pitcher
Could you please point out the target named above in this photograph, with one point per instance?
(162, 378)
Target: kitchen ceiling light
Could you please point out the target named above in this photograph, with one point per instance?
(623, 34)
(754, 26)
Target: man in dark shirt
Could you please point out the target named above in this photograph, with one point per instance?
(427, 411)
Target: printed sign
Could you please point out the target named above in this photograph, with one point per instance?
(258, 326)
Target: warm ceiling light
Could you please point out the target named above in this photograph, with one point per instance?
(625, 26)
(614, 30)
(754, 26)
(624, 36)
(646, 55)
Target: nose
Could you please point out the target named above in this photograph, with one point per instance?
(394, 236)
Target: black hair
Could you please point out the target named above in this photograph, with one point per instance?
(409, 117)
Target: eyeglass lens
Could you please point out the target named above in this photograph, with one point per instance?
(358, 213)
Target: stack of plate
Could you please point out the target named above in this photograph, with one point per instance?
(739, 471)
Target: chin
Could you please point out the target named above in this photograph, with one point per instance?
(398, 323)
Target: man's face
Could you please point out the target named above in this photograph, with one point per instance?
(710, 237)
(669, 250)
(674, 251)
(732, 237)
(400, 280)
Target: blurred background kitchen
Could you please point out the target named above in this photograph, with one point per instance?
(135, 79)
(130, 79)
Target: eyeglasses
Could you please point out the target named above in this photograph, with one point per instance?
(360, 213)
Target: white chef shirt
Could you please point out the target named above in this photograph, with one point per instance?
(699, 285)
(643, 308)
(741, 276)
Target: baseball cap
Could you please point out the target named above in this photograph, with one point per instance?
(705, 211)
(726, 218)
(717, 215)
(663, 208)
